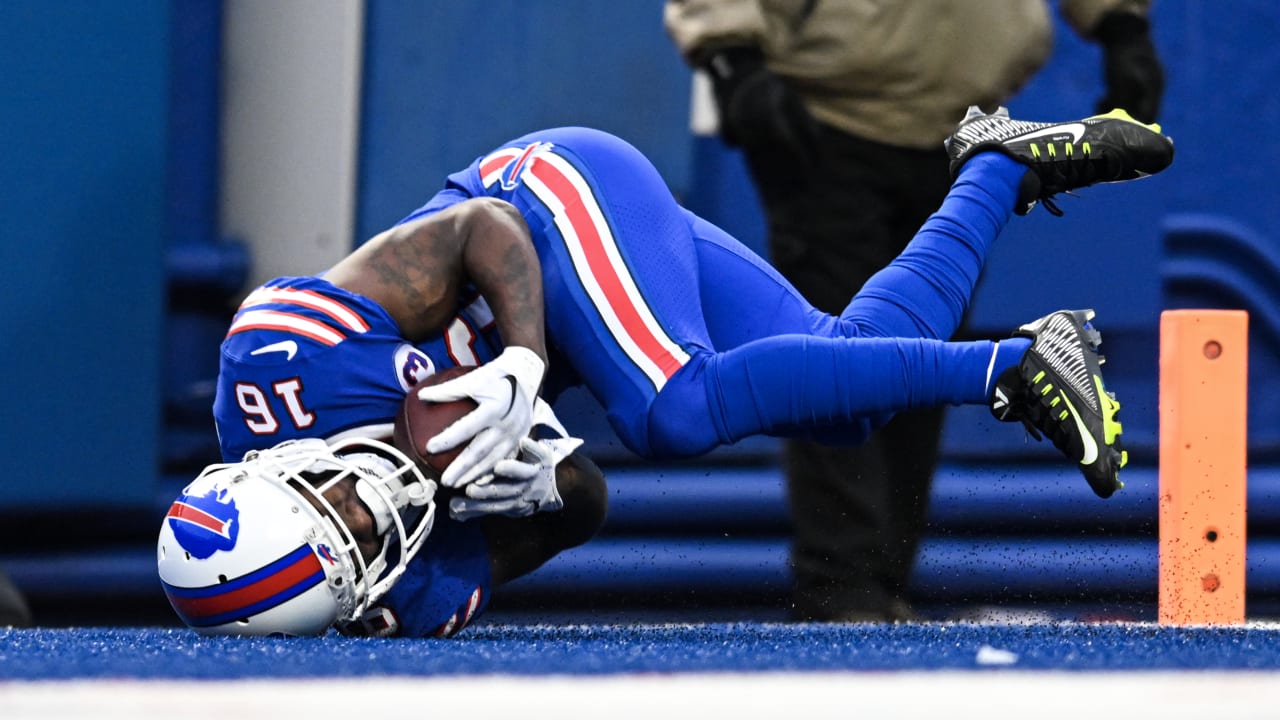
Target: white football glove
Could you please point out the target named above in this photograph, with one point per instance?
(504, 389)
(518, 487)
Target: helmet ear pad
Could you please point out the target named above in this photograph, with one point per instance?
(253, 548)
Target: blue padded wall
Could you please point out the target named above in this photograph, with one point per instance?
(83, 115)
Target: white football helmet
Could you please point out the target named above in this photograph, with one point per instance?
(254, 548)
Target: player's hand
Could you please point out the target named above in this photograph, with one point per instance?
(758, 109)
(518, 487)
(1132, 71)
(505, 390)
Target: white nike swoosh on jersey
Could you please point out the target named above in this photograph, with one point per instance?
(1090, 447)
(287, 346)
(1076, 130)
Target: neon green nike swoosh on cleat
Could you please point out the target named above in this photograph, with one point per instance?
(1090, 446)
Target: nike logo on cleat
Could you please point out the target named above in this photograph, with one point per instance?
(1086, 438)
(1076, 130)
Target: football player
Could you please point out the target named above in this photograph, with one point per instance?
(561, 258)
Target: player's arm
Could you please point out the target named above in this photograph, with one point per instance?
(520, 545)
(416, 270)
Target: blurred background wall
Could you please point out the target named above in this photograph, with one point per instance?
(160, 158)
(83, 119)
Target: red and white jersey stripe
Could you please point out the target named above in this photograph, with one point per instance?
(339, 320)
(340, 313)
(460, 619)
(601, 269)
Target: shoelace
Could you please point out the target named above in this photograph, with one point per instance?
(1069, 169)
(1038, 418)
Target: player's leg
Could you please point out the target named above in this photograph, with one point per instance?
(622, 289)
(623, 279)
(785, 368)
(619, 270)
(1056, 387)
(744, 298)
(779, 385)
(794, 385)
(1000, 165)
(925, 291)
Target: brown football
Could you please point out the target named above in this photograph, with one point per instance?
(419, 421)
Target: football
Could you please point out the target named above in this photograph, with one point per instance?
(418, 422)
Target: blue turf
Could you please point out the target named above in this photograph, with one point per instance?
(605, 649)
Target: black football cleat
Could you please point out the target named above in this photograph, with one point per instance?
(1063, 156)
(1057, 390)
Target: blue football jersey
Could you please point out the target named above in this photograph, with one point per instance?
(306, 359)
(303, 359)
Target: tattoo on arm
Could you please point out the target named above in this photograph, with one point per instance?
(415, 271)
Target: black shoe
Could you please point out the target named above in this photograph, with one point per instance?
(1057, 389)
(1063, 156)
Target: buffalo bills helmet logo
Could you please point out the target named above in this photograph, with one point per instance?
(205, 524)
(324, 552)
(514, 169)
